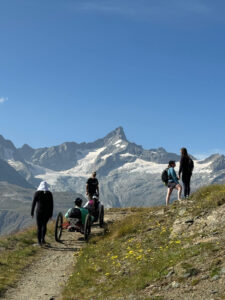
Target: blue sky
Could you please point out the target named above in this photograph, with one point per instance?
(73, 70)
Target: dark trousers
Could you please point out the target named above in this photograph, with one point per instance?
(186, 183)
(42, 221)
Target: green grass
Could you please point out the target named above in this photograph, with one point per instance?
(138, 251)
(208, 198)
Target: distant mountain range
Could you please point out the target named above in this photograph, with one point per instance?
(128, 174)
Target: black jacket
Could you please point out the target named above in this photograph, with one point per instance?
(44, 202)
(186, 166)
(92, 185)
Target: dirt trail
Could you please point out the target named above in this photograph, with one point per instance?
(46, 277)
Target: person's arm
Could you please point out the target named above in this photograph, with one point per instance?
(174, 175)
(51, 205)
(192, 165)
(34, 204)
(87, 187)
(67, 213)
(97, 189)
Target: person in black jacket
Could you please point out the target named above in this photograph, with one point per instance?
(186, 168)
(43, 201)
(92, 187)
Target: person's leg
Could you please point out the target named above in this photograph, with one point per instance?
(169, 192)
(44, 229)
(185, 185)
(188, 186)
(179, 191)
(90, 196)
(39, 228)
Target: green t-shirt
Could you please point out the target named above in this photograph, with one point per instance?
(84, 213)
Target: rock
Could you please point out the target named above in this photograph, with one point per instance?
(189, 221)
(222, 271)
(184, 270)
(159, 212)
(171, 272)
(215, 233)
(215, 277)
(175, 284)
(204, 277)
(182, 212)
(221, 202)
(186, 275)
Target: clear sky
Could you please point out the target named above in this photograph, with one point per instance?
(73, 70)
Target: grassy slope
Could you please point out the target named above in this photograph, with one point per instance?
(140, 251)
(137, 252)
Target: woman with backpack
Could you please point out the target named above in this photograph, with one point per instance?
(186, 168)
(173, 182)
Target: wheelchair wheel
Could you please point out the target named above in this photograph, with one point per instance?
(58, 227)
(101, 216)
(87, 227)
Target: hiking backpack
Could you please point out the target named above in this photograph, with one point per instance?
(165, 176)
(190, 165)
(74, 213)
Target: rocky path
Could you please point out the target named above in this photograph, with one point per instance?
(46, 277)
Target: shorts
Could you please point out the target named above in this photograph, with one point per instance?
(171, 185)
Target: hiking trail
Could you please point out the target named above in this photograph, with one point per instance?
(45, 278)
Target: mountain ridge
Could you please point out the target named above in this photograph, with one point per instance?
(128, 174)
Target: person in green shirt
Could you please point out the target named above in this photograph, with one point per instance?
(77, 212)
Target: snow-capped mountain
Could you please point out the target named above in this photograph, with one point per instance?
(128, 174)
(67, 155)
(10, 175)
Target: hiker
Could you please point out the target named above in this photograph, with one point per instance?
(173, 182)
(92, 186)
(44, 200)
(186, 168)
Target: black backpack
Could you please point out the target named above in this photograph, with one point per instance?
(190, 165)
(75, 213)
(165, 176)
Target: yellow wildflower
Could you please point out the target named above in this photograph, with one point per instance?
(114, 257)
(139, 257)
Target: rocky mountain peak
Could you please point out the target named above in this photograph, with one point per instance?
(6, 143)
(26, 147)
(218, 163)
(115, 135)
(211, 158)
(26, 152)
(8, 150)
